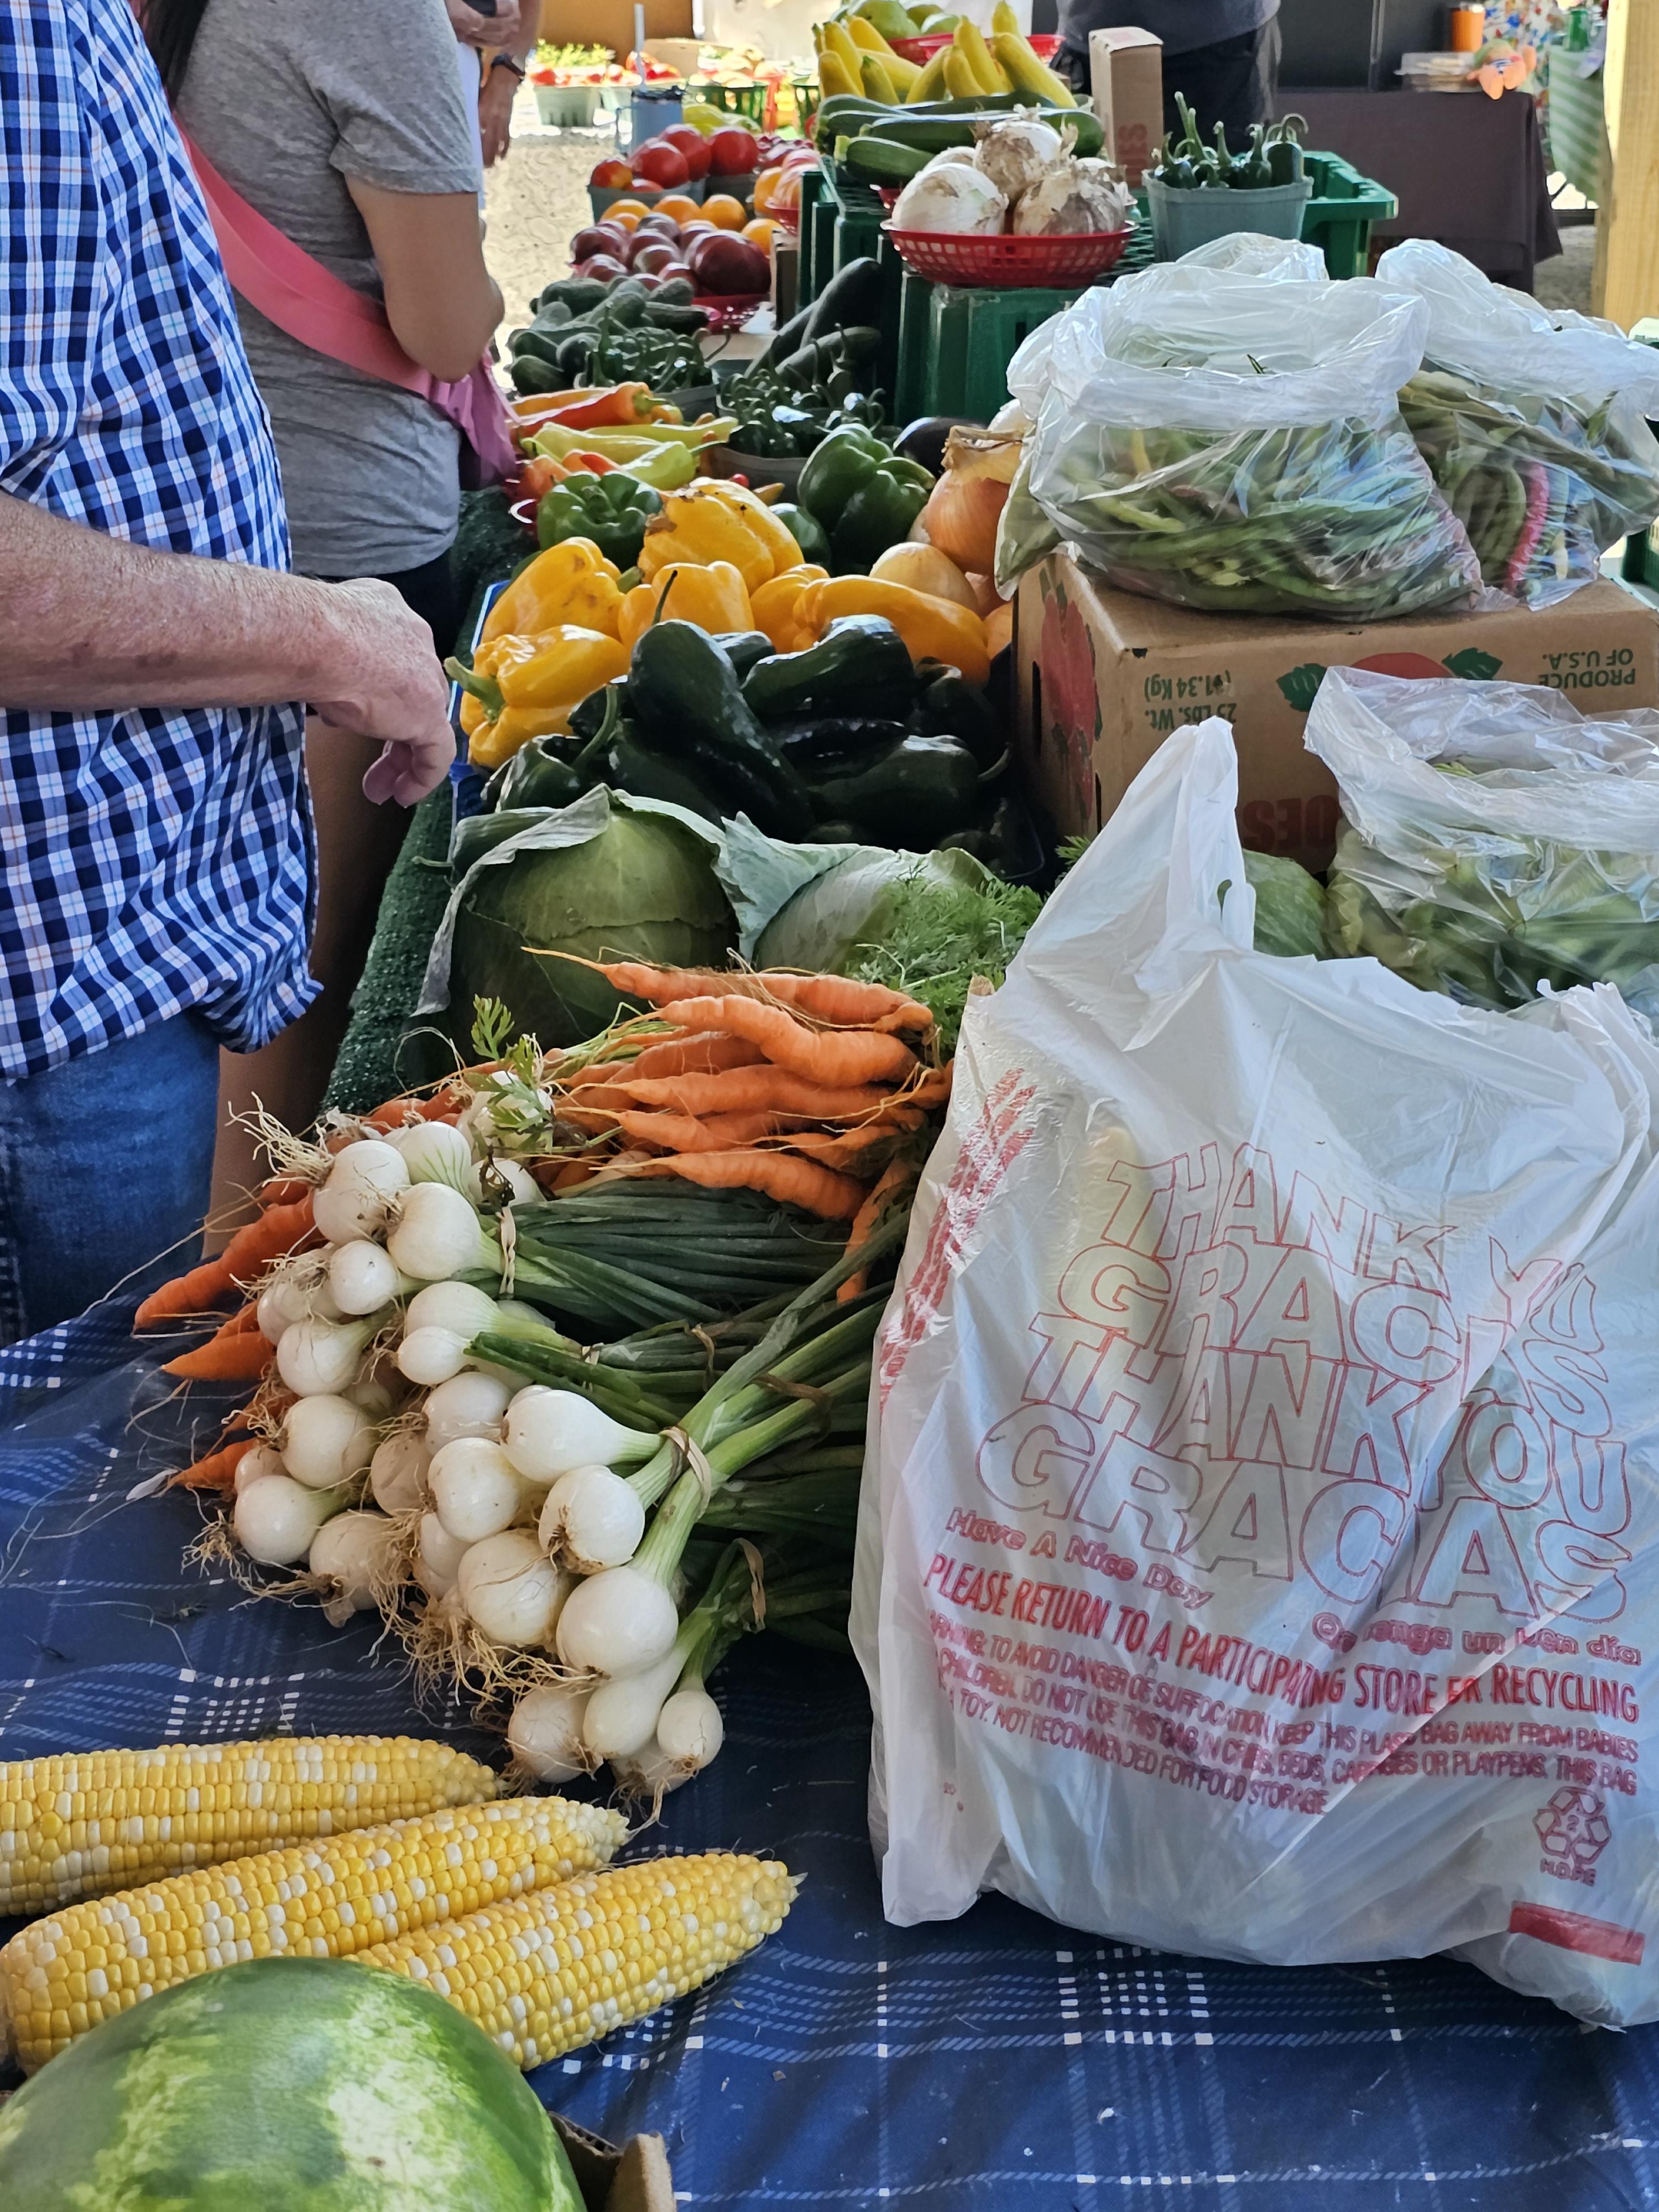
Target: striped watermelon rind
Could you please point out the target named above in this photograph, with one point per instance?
(284, 2085)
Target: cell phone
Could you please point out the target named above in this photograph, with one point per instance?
(482, 7)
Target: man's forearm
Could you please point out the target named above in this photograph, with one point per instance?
(529, 17)
(87, 621)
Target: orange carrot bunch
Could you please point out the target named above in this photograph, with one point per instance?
(805, 1087)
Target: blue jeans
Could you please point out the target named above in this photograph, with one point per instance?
(106, 1165)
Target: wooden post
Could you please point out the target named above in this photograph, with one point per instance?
(1626, 281)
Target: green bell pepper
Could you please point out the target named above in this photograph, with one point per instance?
(862, 494)
(808, 533)
(612, 510)
(536, 775)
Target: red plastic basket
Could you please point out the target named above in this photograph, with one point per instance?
(1044, 45)
(729, 310)
(1068, 257)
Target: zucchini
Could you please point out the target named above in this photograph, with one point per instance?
(934, 134)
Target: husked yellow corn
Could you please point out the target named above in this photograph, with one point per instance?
(329, 1899)
(81, 1823)
(547, 1973)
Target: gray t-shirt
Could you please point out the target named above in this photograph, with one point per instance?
(1181, 24)
(287, 99)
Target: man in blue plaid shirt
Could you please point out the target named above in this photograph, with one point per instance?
(154, 834)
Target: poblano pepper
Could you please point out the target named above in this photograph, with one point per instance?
(612, 511)
(862, 494)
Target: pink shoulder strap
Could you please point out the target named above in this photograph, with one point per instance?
(316, 308)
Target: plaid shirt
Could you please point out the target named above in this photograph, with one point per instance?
(149, 861)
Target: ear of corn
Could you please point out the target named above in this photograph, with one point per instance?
(82, 1824)
(548, 1973)
(65, 1973)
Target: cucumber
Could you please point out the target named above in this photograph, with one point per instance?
(296, 2085)
(880, 160)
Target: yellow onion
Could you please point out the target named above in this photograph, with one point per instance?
(924, 568)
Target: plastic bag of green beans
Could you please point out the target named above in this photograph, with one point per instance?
(1492, 839)
(1534, 421)
(1228, 438)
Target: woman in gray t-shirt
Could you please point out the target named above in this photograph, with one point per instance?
(342, 123)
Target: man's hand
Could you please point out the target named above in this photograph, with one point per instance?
(495, 115)
(473, 29)
(380, 677)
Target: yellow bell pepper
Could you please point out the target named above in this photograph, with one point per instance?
(714, 520)
(570, 583)
(773, 608)
(711, 593)
(934, 629)
(531, 683)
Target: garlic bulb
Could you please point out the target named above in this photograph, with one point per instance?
(953, 196)
(1016, 151)
(1078, 195)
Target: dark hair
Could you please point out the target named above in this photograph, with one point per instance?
(170, 29)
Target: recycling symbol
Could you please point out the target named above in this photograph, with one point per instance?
(1573, 1826)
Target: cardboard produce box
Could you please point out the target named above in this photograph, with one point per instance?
(635, 2178)
(1104, 676)
(1126, 84)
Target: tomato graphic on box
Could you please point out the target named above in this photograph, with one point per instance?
(1071, 693)
(1471, 664)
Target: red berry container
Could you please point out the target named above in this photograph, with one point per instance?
(1072, 256)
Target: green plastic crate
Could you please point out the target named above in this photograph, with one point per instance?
(747, 100)
(955, 342)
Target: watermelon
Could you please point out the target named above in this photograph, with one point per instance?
(288, 2085)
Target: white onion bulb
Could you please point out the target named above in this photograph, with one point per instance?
(275, 1518)
(546, 1731)
(590, 1520)
(354, 1199)
(617, 1622)
(468, 1404)
(326, 1440)
(357, 1550)
(548, 1432)
(474, 1491)
(511, 1594)
(397, 1474)
(362, 1276)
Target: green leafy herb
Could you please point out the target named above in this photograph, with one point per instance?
(938, 936)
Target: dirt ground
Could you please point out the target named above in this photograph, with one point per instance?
(533, 201)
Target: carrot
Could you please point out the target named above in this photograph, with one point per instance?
(282, 1190)
(844, 1004)
(834, 999)
(684, 1133)
(705, 1054)
(843, 1148)
(218, 1471)
(898, 1173)
(931, 1089)
(233, 1355)
(758, 1089)
(278, 1229)
(791, 1182)
(842, 1056)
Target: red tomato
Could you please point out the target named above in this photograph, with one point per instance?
(611, 176)
(655, 163)
(690, 141)
(733, 154)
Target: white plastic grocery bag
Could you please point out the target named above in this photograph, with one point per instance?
(1256, 1543)
(1534, 421)
(1228, 437)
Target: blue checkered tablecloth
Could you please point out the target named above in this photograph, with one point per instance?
(996, 2064)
